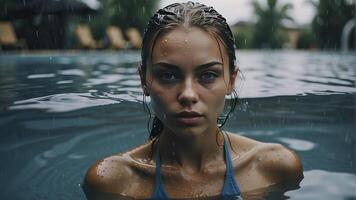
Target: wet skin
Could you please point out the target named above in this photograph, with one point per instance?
(187, 79)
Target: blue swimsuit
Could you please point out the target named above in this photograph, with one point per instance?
(230, 189)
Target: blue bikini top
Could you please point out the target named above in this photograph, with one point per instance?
(230, 189)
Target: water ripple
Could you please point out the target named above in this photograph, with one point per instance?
(329, 185)
(104, 79)
(35, 76)
(72, 72)
(297, 144)
(62, 102)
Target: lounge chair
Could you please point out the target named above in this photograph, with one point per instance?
(85, 38)
(134, 37)
(115, 37)
(8, 38)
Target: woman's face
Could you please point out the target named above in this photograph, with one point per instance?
(187, 80)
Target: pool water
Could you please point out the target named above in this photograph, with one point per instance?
(60, 112)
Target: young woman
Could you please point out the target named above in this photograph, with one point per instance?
(188, 67)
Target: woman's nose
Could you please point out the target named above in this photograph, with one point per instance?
(188, 95)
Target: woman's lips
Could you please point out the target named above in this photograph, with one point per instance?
(189, 118)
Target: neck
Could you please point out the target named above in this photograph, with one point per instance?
(192, 153)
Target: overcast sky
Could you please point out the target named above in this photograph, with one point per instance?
(237, 10)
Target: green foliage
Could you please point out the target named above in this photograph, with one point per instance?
(267, 30)
(306, 40)
(122, 13)
(243, 39)
(329, 21)
(132, 12)
(57, 31)
(6, 5)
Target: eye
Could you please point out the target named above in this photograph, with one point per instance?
(208, 76)
(167, 76)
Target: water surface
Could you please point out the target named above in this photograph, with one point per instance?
(60, 112)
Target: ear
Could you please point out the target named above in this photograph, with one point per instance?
(143, 81)
(233, 76)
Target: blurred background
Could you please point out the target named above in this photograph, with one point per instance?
(70, 93)
(119, 24)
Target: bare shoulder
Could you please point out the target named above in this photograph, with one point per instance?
(273, 160)
(107, 175)
(280, 163)
(119, 174)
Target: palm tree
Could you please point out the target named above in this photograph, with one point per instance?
(331, 16)
(269, 18)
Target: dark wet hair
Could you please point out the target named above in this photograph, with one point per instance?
(188, 15)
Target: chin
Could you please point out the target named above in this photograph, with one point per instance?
(189, 131)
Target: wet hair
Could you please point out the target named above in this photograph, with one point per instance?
(187, 15)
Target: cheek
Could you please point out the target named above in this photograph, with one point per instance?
(160, 99)
(157, 94)
(219, 104)
(216, 100)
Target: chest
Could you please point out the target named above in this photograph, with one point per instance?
(180, 185)
(251, 176)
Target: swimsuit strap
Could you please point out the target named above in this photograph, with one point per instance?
(158, 192)
(230, 187)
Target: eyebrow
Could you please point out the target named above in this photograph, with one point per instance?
(200, 67)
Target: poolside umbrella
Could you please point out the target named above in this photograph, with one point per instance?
(24, 8)
(50, 32)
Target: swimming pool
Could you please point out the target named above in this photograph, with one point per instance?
(59, 112)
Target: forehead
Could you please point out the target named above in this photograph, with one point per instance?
(193, 45)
